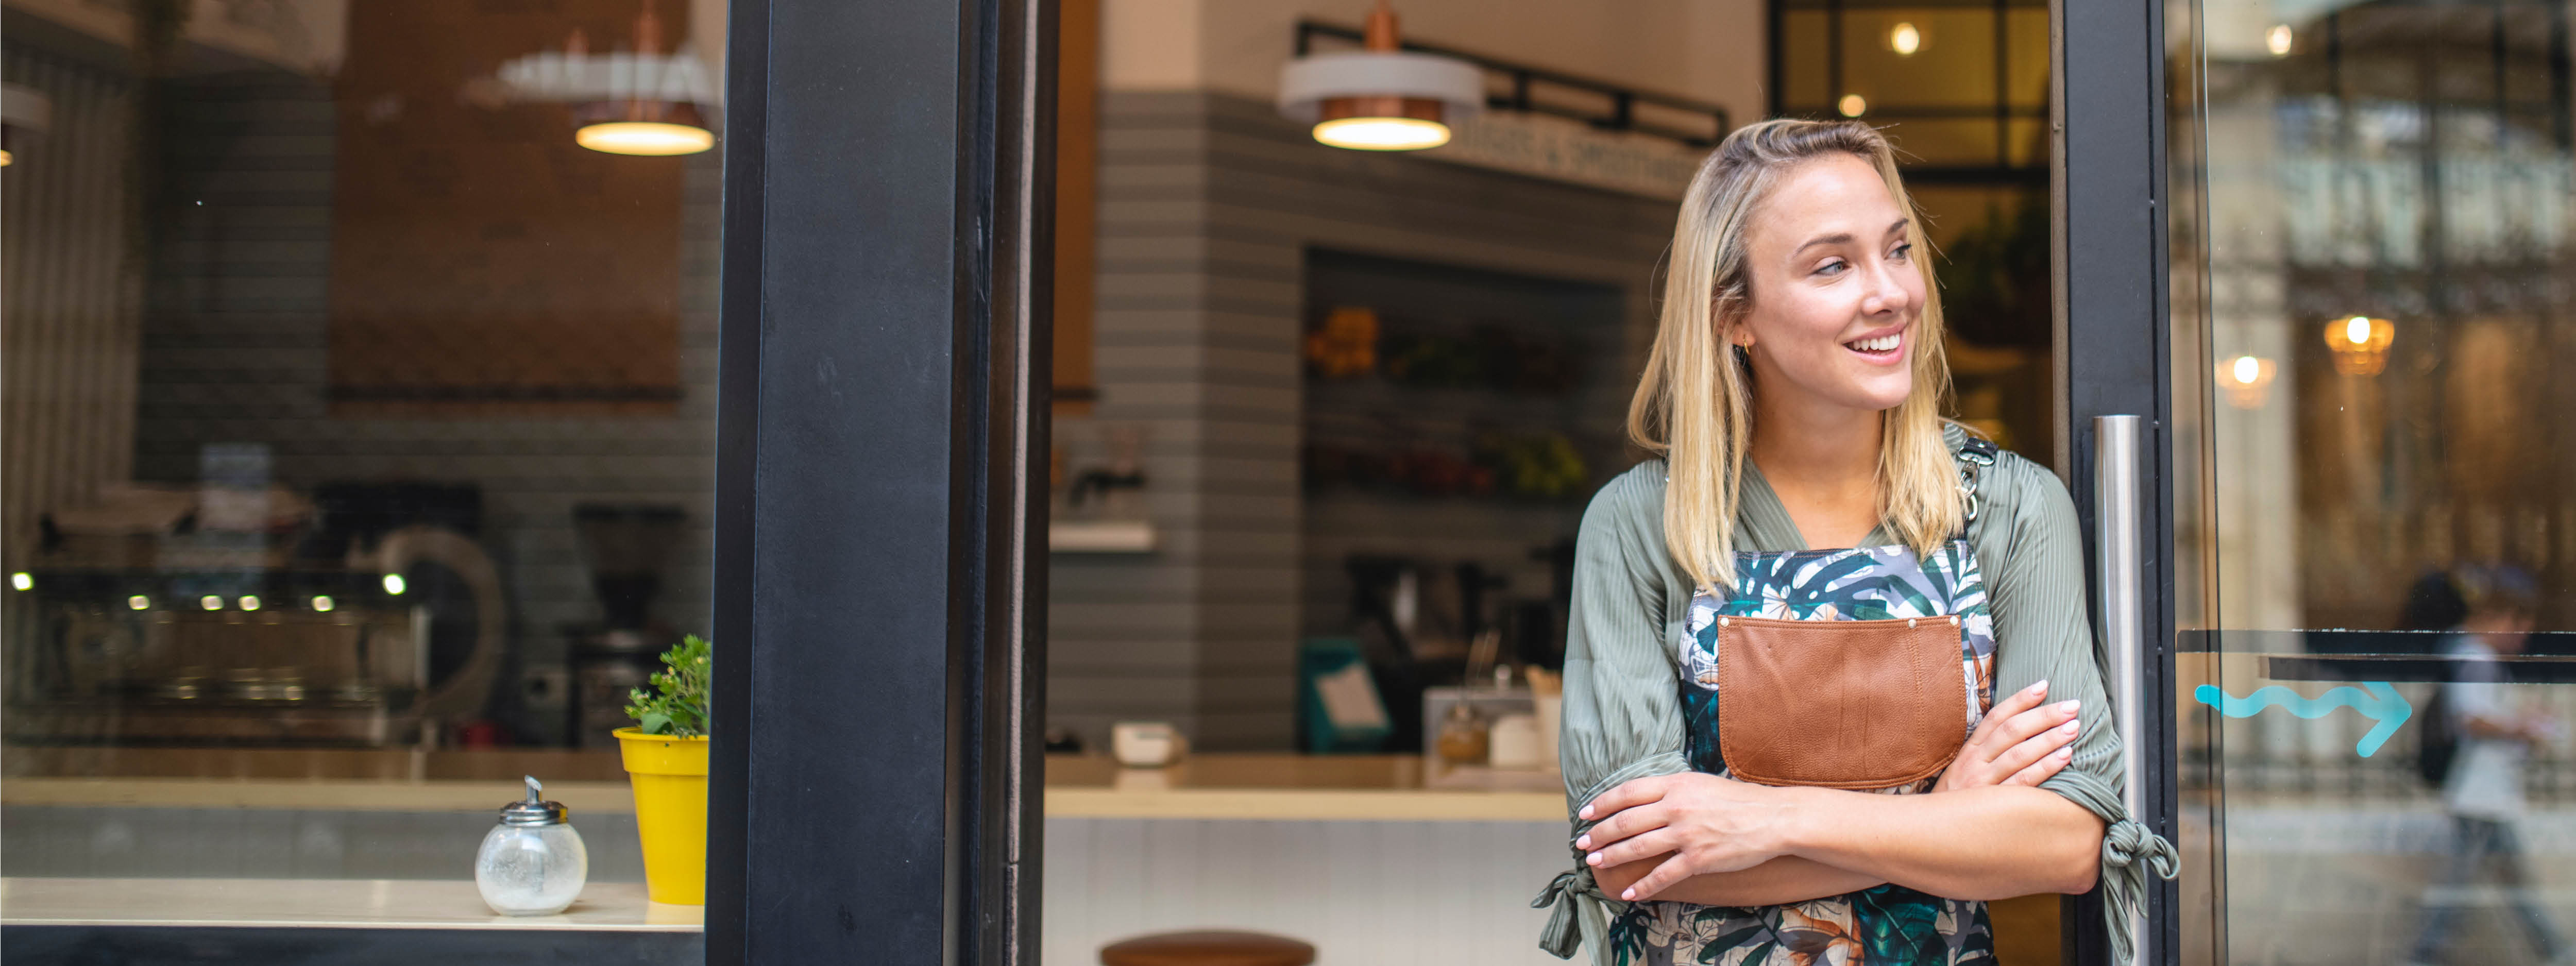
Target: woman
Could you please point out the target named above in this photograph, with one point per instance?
(1842, 804)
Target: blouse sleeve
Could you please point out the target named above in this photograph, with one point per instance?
(1622, 715)
(2043, 632)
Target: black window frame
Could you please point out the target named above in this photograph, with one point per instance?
(879, 543)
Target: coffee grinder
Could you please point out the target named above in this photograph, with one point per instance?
(626, 546)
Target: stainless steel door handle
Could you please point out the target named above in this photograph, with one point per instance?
(2119, 562)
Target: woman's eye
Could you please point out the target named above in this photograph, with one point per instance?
(1834, 267)
(1902, 252)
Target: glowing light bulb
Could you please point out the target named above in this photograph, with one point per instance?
(2277, 40)
(1382, 133)
(648, 138)
(1852, 105)
(2357, 331)
(394, 584)
(250, 602)
(322, 603)
(22, 580)
(211, 602)
(1904, 39)
(138, 602)
(2246, 368)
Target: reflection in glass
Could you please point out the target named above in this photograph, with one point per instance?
(320, 335)
(2370, 239)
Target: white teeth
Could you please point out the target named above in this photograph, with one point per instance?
(1884, 343)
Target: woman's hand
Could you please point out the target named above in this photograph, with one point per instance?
(1706, 824)
(2019, 742)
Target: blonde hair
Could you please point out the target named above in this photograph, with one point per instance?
(1694, 405)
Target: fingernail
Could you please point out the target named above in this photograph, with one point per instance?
(1592, 859)
(1584, 842)
(2070, 707)
(2040, 688)
(2070, 727)
(2066, 753)
(1628, 895)
(1585, 813)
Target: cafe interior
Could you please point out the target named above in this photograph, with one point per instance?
(359, 392)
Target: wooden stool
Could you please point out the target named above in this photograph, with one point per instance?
(1207, 948)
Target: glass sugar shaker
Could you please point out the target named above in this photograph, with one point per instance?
(533, 863)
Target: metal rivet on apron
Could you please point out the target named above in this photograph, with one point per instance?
(1909, 623)
(1725, 622)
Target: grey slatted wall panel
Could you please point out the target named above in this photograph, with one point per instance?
(1208, 204)
(69, 297)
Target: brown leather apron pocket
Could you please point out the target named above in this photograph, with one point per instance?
(1839, 704)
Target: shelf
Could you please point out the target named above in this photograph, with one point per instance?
(322, 904)
(1100, 536)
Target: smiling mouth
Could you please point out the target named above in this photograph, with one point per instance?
(1884, 343)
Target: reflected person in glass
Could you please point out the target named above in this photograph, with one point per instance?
(2482, 789)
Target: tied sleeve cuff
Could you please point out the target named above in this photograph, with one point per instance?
(1578, 913)
(2129, 852)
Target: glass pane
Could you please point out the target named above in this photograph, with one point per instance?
(1920, 58)
(1805, 65)
(1942, 142)
(360, 366)
(2026, 66)
(2377, 196)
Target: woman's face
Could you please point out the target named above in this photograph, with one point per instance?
(1835, 290)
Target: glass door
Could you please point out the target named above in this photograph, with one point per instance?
(2374, 531)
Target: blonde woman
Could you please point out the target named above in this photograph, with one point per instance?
(1829, 684)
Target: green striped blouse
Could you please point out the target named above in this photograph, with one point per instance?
(1622, 717)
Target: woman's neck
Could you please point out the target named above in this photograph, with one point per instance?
(1822, 462)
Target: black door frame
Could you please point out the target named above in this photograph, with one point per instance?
(2114, 356)
(888, 180)
(886, 190)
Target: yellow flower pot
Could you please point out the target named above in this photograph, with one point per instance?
(670, 779)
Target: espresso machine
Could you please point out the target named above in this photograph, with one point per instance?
(293, 622)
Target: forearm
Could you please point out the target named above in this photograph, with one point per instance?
(1783, 880)
(1977, 843)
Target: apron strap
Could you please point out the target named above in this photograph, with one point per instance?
(1975, 454)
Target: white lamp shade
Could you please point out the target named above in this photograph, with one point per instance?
(1306, 83)
(23, 108)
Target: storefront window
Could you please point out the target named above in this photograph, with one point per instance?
(2369, 270)
(360, 379)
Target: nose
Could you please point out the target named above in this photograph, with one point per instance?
(1888, 294)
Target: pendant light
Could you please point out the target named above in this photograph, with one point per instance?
(1380, 98)
(2360, 344)
(23, 112)
(641, 103)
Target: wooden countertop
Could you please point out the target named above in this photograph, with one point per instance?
(1250, 786)
(322, 904)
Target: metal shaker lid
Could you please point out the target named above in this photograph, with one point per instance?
(534, 810)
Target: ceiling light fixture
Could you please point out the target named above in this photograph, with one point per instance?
(1852, 105)
(1905, 39)
(643, 102)
(2360, 344)
(23, 113)
(2277, 40)
(1381, 98)
(2244, 378)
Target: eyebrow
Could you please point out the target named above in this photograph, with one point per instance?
(1842, 239)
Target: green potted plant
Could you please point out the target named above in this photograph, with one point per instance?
(666, 761)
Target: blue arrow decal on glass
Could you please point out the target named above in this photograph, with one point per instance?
(2382, 704)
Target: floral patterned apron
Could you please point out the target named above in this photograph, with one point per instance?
(1885, 926)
